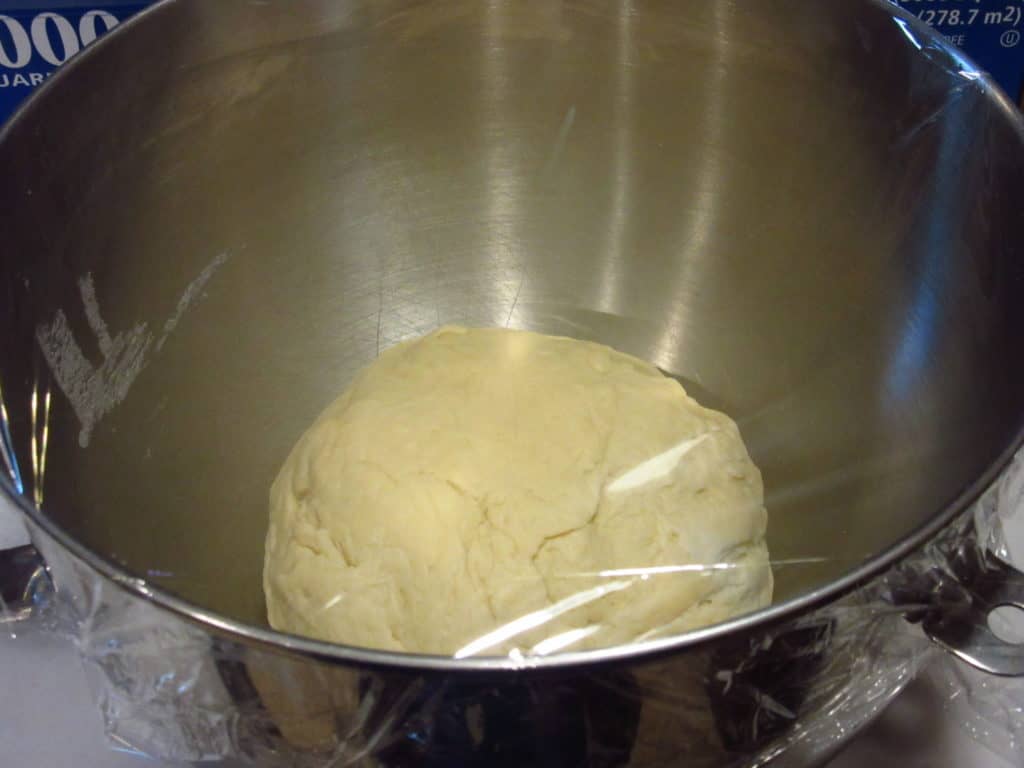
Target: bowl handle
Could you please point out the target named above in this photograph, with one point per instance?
(960, 621)
(23, 581)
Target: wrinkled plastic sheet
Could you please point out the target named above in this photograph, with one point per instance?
(166, 688)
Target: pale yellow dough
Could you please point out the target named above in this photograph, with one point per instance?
(484, 491)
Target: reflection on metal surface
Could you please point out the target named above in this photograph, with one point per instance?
(40, 440)
(934, 244)
(24, 584)
(7, 447)
(503, 172)
(621, 174)
(964, 603)
(703, 207)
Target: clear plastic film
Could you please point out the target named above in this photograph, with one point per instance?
(991, 708)
(168, 689)
(493, 492)
(806, 214)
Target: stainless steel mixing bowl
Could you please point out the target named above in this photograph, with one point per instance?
(807, 212)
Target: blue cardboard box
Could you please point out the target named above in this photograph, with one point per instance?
(989, 31)
(37, 36)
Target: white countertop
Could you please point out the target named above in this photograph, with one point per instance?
(47, 717)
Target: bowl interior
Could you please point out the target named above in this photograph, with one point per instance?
(808, 213)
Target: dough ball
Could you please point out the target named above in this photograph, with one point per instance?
(477, 491)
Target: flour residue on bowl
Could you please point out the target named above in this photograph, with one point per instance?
(94, 390)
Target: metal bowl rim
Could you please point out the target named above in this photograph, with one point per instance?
(365, 657)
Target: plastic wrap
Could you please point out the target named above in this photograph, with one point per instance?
(494, 492)
(991, 708)
(167, 688)
(151, 406)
